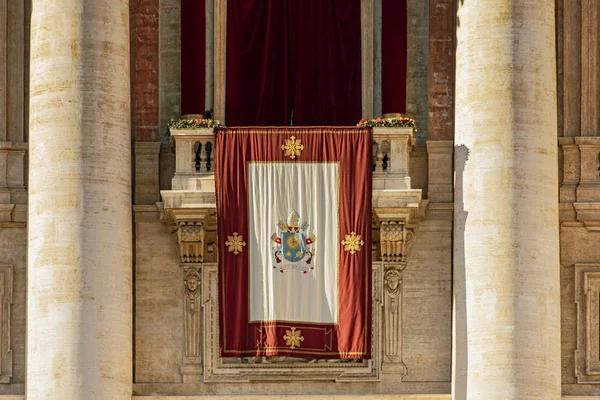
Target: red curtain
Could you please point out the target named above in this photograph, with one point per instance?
(351, 149)
(325, 39)
(293, 61)
(393, 56)
(193, 41)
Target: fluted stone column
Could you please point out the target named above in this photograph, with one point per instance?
(79, 311)
(506, 261)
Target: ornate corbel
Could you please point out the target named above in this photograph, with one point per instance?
(190, 238)
(192, 286)
(396, 237)
(395, 240)
(392, 320)
(192, 366)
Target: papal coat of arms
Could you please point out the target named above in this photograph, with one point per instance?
(291, 248)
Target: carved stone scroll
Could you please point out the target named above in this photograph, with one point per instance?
(392, 319)
(396, 237)
(392, 240)
(192, 312)
(192, 368)
(190, 237)
(395, 240)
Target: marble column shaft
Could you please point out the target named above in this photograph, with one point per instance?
(506, 244)
(79, 310)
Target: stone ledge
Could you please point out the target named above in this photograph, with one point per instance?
(303, 397)
(14, 146)
(589, 214)
(149, 148)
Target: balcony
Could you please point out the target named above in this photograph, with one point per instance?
(193, 185)
(190, 207)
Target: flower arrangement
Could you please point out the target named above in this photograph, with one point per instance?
(194, 123)
(402, 122)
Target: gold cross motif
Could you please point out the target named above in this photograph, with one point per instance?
(293, 338)
(236, 243)
(292, 147)
(352, 243)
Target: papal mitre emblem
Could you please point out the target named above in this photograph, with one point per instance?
(292, 245)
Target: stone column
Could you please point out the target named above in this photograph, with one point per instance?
(506, 246)
(79, 310)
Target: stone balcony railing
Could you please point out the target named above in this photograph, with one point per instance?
(193, 185)
(195, 158)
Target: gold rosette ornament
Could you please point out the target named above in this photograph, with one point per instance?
(352, 243)
(292, 147)
(235, 243)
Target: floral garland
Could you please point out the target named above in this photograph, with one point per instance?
(403, 122)
(194, 123)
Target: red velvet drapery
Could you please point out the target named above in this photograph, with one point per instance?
(393, 56)
(257, 63)
(351, 150)
(293, 60)
(325, 44)
(193, 42)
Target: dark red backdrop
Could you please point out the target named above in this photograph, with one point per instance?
(393, 56)
(352, 149)
(193, 44)
(303, 55)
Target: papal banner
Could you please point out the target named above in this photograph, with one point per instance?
(294, 241)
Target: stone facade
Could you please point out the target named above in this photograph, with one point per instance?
(492, 220)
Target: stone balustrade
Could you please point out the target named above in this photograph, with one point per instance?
(195, 158)
(194, 163)
(391, 157)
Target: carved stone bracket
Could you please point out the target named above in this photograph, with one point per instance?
(190, 237)
(395, 240)
(392, 319)
(194, 232)
(396, 226)
(192, 285)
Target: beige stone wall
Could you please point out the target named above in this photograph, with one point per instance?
(427, 300)
(417, 65)
(158, 301)
(170, 64)
(159, 321)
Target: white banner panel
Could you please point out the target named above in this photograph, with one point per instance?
(293, 257)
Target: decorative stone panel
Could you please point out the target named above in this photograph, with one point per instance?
(587, 298)
(190, 237)
(6, 289)
(192, 366)
(255, 369)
